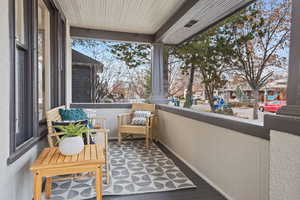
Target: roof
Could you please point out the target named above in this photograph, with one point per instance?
(145, 20)
(82, 59)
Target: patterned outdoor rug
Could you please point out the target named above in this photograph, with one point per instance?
(134, 169)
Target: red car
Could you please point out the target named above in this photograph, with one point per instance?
(272, 106)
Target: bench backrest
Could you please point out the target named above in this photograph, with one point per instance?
(52, 115)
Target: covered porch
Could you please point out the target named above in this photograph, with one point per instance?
(225, 157)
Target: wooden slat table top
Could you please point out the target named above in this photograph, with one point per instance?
(52, 158)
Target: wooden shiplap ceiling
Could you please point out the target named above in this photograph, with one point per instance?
(149, 17)
(132, 16)
(206, 13)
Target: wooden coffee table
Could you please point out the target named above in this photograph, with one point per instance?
(52, 163)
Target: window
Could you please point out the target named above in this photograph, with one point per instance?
(43, 60)
(34, 66)
(23, 72)
(23, 97)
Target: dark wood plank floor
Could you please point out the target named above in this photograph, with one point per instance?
(203, 191)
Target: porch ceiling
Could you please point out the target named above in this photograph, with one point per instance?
(206, 13)
(152, 20)
(132, 16)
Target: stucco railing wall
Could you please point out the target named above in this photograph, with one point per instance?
(231, 154)
(235, 163)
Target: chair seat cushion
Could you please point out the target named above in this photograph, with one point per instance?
(141, 121)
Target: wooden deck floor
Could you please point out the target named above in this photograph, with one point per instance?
(203, 191)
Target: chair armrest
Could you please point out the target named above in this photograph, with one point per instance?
(151, 120)
(123, 118)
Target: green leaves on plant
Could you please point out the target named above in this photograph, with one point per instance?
(72, 130)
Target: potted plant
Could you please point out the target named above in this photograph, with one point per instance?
(71, 142)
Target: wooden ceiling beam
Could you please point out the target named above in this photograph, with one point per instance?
(77, 32)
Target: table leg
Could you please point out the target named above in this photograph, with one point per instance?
(99, 182)
(48, 187)
(147, 138)
(37, 186)
(107, 159)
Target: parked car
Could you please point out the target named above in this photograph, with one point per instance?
(272, 106)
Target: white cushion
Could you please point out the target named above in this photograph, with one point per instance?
(139, 121)
(141, 113)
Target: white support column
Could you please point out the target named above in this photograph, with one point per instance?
(159, 75)
(68, 66)
(293, 89)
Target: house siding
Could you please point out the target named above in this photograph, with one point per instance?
(81, 84)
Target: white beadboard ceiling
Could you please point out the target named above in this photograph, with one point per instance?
(147, 16)
(207, 12)
(132, 16)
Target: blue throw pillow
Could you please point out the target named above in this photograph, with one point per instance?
(73, 114)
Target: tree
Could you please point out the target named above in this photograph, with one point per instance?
(139, 81)
(204, 49)
(208, 55)
(136, 55)
(133, 54)
(259, 36)
(110, 79)
(176, 80)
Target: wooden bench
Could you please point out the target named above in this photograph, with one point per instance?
(99, 128)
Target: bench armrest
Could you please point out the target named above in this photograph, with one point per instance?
(101, 121)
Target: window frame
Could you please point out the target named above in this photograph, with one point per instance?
(37, 127)
(29, 47)
(42, 124)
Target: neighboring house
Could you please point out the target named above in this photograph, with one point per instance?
(277, 87)
(84, 77)
(273, 87)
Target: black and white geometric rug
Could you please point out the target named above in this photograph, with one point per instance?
(134, 169)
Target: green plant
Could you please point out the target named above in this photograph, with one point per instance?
(72, 130)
